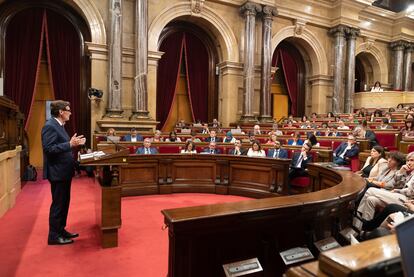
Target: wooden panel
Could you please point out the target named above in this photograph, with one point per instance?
(139, 178)
(250, 176)
(188, 172)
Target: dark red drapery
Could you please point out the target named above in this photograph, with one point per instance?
(284, 59)
(168, 73)
(24, 39)
(197, 68)
(64, 56)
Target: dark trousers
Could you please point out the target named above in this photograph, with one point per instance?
(59, 207)
(295, 172)
(340, 161)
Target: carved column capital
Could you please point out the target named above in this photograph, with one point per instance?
(409, 47)
(250, 8)
(352, 33)
(268, 12)
(339, 30)
(398, 45)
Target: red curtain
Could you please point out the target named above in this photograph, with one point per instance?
(64, 56)
(197, 67)
(24, 39)
(168, 74)
(284, 59)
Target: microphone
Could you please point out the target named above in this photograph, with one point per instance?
(117, 145)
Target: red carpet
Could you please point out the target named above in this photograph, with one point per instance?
(143, 245)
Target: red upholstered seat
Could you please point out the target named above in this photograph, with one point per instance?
(355, 164)
(410, 148)
(326, 143)
(132, 149)
(100, 138)
(170, 149)
(335, 144)
(300, 182)
(387, 140)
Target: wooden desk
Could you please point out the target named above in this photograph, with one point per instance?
(306, 270)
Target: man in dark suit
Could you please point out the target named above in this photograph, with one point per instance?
(147, 149)
(300, 161)
(277, 152)
(345, 151)
(212, 137)
(133, 136)
(58, 168)
(238, 149)
(212, 149)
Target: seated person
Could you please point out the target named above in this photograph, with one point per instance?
(157, 136)
(111, 135)
(330, 115)
(291, 119)
(239, 130)
(229, 138)
(238, 149)
(147, 149)
(377, 198)
(384, 125)
(296, 140)
(272, 139)
(377, 87)
(180, 124)
(314, 117)
(389, 118)
(133, 136)
(346, 151)
(408, 130)
(189, 148)
(341, 125)
(362, 112)
(312, 140)
(289, 125)
(173, 137)
(363, 132)
(256, 150)
(251, 138)
(256, 130)
(386, 179)
(205, 129)
(111, 132)
(374, 164)
(212, 137)
(194, 137)
(275, 130)
(277, 152)
(299, 162)
(352, 119)
(215, 123)
(306, 125)
(212, 149)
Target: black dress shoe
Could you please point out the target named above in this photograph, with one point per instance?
(59, 241)
(68, 235)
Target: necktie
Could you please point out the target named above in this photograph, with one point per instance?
(276, 154)
(211, 151)
(298, 164)
(146, 151)
(236, 152)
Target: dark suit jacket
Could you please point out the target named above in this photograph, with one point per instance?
(242, 150)
(216, 151)
(58, 161)
(141, 150)
(354, 151)
(299, 142)
(283, 153)
(371, 137)
(209, 139)
(304, 163)
(128, 137)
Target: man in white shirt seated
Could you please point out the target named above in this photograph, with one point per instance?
(342, 126)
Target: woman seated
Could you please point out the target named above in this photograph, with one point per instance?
(296, 140)
(189, 148)
(330, 115)
(173, 137)
(374, 164)
(312, 140)
(194, 137)
(408, 129)
(229, 138)
(272, 139)
(377, 198)
(377, 87)
(256, 150)
(157, 136)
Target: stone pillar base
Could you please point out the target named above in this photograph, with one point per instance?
(114, 114)
(139, 115)
(248, 119)
(266, 119)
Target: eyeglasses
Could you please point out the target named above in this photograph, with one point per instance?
(67, 110)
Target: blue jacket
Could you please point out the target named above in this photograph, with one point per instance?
(304, 163)
(141, 150)
(299, 142)
(128, 137)
(207, 150)
(283, 153)
(354, 151)
(58, 161)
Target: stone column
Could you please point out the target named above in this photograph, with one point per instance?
(249, 10)
(350, 69)
(407, 67)
(140, 109)
(266, 66)
(338, 75)
(398, 48)
(114, 108)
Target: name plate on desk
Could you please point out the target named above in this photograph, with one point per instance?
(295, 255)
(327, 244)
(242, 268)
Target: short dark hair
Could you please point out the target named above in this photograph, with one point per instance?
(56, 106)
(398, 157)
(309, 145)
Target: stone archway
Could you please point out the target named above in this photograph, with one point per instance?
(317, 89)
(371, 56)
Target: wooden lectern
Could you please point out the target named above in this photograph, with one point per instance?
(109, 210)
